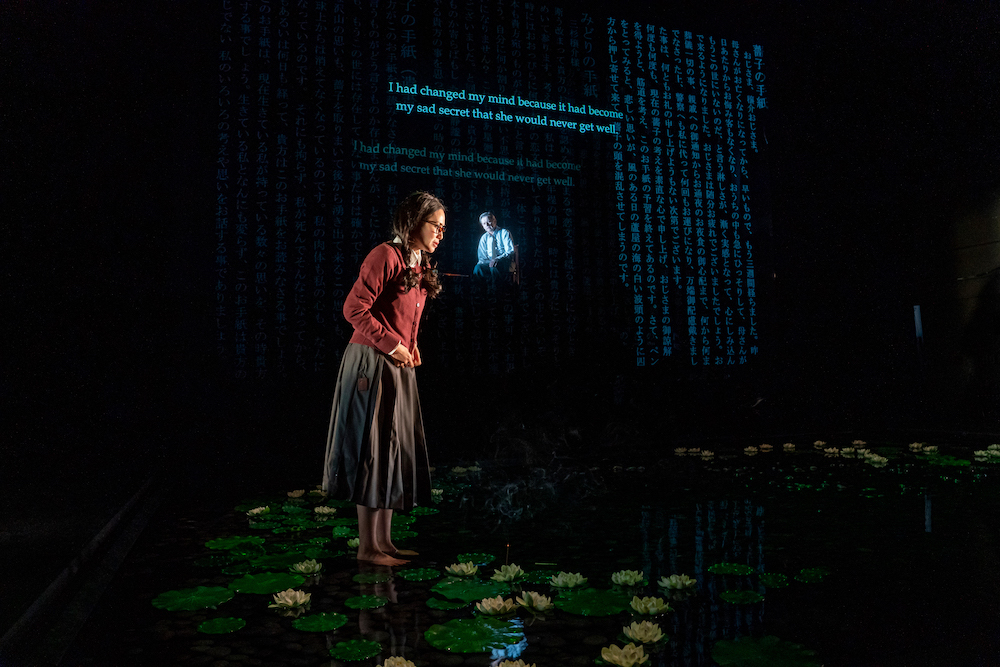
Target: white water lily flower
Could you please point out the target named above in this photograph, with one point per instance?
(318, 491)
(259, 511)
(680, 450)
(627, 577)
(993, 448)
(462, 569)
(930, 448)
(325, 511)
(766, 447)
(649, 605)
(677, 582)
(354, 542)
(437, 492)
(819, 444)
(847, 452)
(515, 663)
(290, 599)
(297, 493)
(310, 566)
(707, 454)
(398, 661)
(750, 451)
(858, 442)
(980, 454)
(624, 657)
(459, 470)
(831, 450)
(507, 573)
(788, 447)
(916, 446)
(497, 606)
(534, 601)
(861, 451)
(645, 632)
(694, 450)
(473, 468)
(568, 580)
(993, 452)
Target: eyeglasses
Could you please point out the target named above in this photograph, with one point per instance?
(438, 229)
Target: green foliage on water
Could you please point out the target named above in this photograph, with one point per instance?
(468, 589)
(356, 649)
(267, 582)
(366, 602)
(593, 601)
(189, 599)
(419, 574)
(371, 577)
(320, 622)
(221, 626)
(741, 597)
(766, 652)
(476, 558)
(475, 635)
(234, 543)
(774, 580)
(731, 568)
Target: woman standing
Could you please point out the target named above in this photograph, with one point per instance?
(375, 453)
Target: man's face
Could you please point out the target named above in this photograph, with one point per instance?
(489, 223)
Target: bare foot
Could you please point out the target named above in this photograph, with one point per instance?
(379, 558)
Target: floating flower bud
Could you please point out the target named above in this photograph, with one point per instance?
(290, 599)
(677, 582)
(645, 632)
(462, 569)
(497, 606)
(649, 605)
(624, 657)
(397, 661)
(310, 566)
(534, 601)
(568, 580)
(507, 573)
(627, 577)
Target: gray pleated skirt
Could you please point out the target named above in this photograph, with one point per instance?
(376, 455)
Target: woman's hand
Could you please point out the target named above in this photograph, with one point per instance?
(416, 356)
(402, 357)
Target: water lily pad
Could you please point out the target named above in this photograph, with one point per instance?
(774, 580)
(593, 601)
(334, 502)
(469, 590)
(401, 519)
(345, 521)
(372, 577)
(189, 599)
(419, 574)
(356, 649)
(767, 652)
(730, 568)
(235, 542)
(267, 582)
(319, 540)
(320, 622)
(812, 575)
(476, 557)
(217, 560)
(295, 508)
(447, 605)
(344, 531)
(220, 626)
(264, 525)
(944, 460)
(540, 576)
(741, 597)
(475, 635)
(424, 510)
(366, 602)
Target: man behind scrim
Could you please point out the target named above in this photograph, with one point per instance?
(496, 250)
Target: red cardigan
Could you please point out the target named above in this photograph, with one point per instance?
(381, 314)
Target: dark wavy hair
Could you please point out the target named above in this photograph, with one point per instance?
(410, 214)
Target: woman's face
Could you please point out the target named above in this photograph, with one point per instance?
(428, 233)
